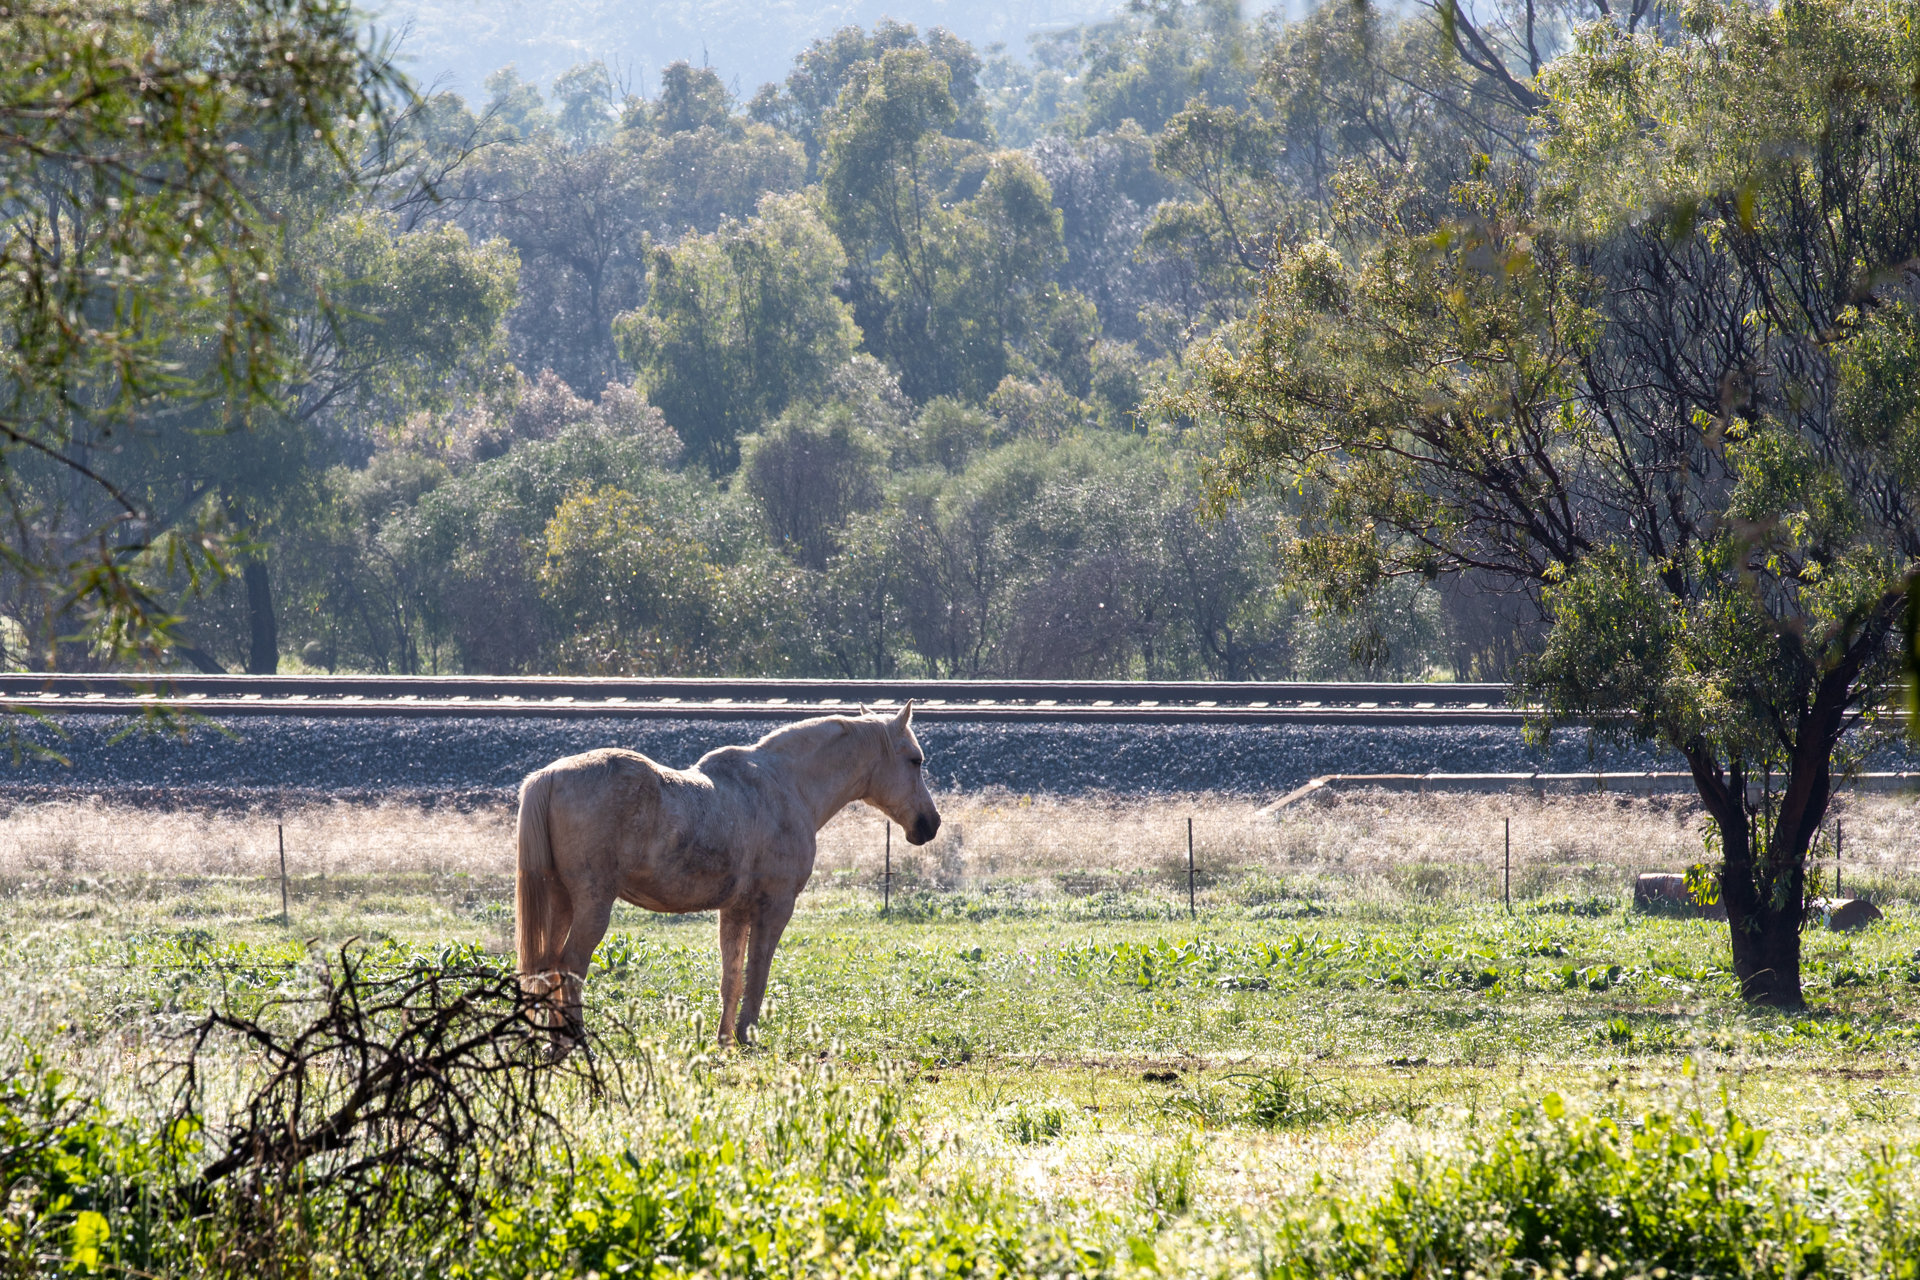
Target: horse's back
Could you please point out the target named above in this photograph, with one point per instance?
(648, 833)
(603, 767)
(607, 787)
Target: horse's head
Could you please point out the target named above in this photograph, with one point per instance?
(899, 786)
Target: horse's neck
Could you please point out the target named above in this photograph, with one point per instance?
(831, 776)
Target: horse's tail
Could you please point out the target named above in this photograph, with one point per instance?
(536, 886)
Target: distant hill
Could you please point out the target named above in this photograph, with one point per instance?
(456, 43)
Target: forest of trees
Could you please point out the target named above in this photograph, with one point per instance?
(876, 372)
(853, 377)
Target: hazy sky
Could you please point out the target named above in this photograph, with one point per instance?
(456, 43)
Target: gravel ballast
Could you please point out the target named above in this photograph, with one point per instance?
(271, 760)
(483, 760)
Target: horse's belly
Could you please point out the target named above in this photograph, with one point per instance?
(681, 879)
(676, 904)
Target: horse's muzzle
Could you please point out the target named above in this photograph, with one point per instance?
(924, 829)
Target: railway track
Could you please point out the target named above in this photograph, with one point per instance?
(1007, 701)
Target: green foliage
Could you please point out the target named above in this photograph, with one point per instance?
(137, 272)
(585, 95)
(1702, 882)
(432, 553)
(579, 196)
(691, 99)
(482, 538)
(803, 104)
(1338, 238)
(1164, 1189)
(1552, 1193)
(1285, 1098)
(515, 107)
(829, 1177)
(1619, 641)
(739, 324)
(699, 178)
(1464, 386)
(952, 248)
(810, 473)
(1148, 69)
(412, 321)
(1880, 401)
(1031, 1123)
(639, 599)
(587, 242)
(1075, 558)
(87, 1191)
(954, 433)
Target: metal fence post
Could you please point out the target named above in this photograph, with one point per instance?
(1506, 890)
(886, 879)
(281, 831)
(1193, 912)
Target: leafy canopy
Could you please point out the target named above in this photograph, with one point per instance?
(1659, 386)
(738, 324)
(136, 265)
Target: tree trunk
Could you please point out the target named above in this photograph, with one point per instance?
(1764, 888)
(264, 660)
(1761, 891)
(205, 662)
(1763, 871)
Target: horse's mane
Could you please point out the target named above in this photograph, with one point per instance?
(805, 735)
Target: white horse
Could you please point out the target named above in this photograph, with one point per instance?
(735, 834)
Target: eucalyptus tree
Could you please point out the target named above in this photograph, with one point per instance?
(138, 274)
(738, 324)
(804, 103)
(810, 472)
(953, 250)
(1661, 388)
(581, 199)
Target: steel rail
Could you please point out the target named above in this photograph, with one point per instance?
(1086, 701)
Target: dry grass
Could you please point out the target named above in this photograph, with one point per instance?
(1353, 842)
(1362, 844)
(62, 840)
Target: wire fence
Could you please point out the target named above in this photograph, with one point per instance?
(1428, 848)
(1180, 855)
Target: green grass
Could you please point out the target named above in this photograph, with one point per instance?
(1459, 983)
(1296, 1083)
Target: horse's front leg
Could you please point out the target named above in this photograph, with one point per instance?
(768, 924)
(734, 923)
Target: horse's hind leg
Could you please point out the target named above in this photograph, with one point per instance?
(590, 919)
(542, 975)
(733, 948)
(768, 925)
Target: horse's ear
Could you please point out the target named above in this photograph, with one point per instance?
(905, 717)
(864, 713)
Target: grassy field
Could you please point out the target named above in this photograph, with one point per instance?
(1352, 1058)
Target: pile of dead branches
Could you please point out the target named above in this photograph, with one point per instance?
(433, 1081)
